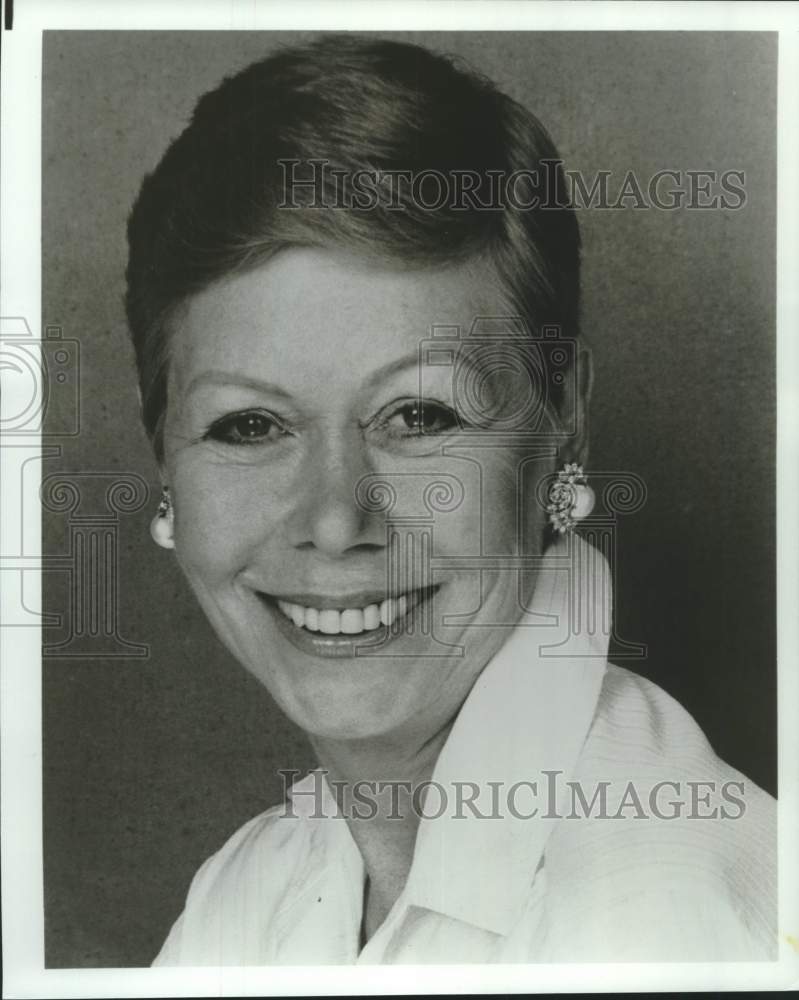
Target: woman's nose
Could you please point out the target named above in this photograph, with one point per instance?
(328, 516)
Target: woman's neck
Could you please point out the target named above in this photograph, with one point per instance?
(377, 785)
(391, 757)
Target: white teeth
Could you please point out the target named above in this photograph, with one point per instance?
(329, 622)
(350, 621)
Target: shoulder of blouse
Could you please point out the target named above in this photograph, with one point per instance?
(703, 840)
(265, 852)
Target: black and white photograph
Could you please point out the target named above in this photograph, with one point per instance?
(399, 549)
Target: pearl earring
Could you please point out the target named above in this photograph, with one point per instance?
(161, 526)
(570, 498)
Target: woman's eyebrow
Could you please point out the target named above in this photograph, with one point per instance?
(425, 358)
(223, 378)
(430, 359)
(391, 368)
(243, 380)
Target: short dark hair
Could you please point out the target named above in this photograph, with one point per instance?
(217, 201)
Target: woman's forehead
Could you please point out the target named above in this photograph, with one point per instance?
(310, 307)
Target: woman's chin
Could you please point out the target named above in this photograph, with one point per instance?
(358, 699)
(350, 720)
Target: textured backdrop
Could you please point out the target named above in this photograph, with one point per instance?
(151, 763)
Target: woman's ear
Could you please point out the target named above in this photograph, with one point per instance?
(575, 407)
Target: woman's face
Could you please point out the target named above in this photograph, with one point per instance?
(294, 397)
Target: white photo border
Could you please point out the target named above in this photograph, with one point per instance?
(20, 681)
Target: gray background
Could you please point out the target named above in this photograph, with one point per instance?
(151, 764)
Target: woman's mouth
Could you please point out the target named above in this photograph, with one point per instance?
(351, 621)
(340, 631)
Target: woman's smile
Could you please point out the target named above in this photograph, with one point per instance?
(348, 625)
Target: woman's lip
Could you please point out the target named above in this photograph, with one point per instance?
(336, 602)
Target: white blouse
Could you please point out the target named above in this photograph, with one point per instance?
(585, 818)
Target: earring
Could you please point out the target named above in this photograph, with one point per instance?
(570, 498)
(161, 526)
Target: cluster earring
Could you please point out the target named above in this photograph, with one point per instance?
(570, 498)
(162, 525)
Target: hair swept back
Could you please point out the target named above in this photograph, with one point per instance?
(212, 204)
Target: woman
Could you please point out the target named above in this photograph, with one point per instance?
(352, 290)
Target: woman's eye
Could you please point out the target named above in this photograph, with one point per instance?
(250, 427)
(419, 419)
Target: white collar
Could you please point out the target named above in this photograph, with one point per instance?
(529, 712)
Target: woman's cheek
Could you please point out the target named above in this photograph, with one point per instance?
(495, 502)
(208, 529)
(457, 503)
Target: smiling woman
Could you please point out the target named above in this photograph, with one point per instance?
(370, 423)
